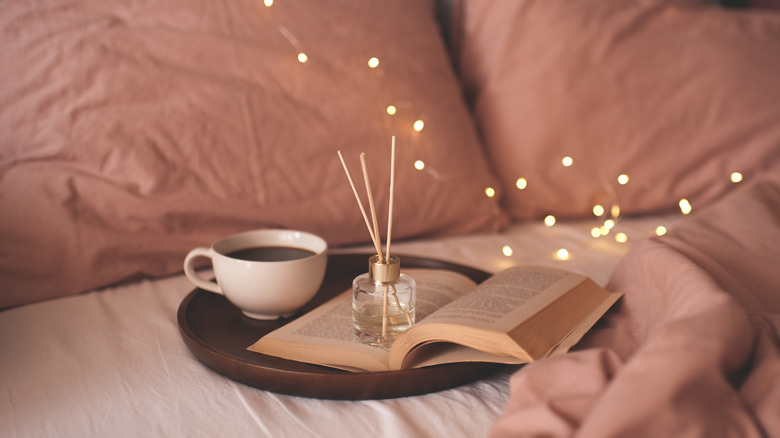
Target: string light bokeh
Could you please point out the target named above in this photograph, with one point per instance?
(607, 218)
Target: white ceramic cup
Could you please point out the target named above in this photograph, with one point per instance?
(263, 289)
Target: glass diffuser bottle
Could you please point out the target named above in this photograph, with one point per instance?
(383, 301)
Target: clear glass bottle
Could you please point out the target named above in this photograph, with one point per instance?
(383, 302)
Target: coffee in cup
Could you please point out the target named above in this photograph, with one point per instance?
(267, 274)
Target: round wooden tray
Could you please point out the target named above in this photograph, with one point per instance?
(217, 333)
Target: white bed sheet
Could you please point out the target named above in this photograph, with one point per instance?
(112, 362)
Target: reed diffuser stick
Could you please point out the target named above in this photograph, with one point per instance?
(390, 202)
(371, 204)
(360, 204)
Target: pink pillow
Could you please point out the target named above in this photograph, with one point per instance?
(131, 132)
(675, 97)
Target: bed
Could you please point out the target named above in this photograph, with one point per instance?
(633, 141)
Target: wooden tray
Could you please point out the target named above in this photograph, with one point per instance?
(217, 333)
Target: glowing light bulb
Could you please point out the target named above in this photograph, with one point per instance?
(609, 224)
(418, 125)
(660, 230)
(736, 177)
(685, 206)
(615, 210)
(549, 220)
(391, 110)
(507, 250)
(268, 3)
(604, 230)
(598, 210)
(621, 237)
(595, 232)
(623, 179)
(521, 183)
(567, 161)
(419, 165)
(490, 192)
(562, 254)
(373, 62)
(302, 58)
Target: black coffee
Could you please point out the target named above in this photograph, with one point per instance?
(270, 254)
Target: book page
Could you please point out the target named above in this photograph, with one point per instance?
(508, 297)
(325, 335)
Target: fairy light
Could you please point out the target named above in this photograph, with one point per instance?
(736, 177)
(595, 232)
(609, 224)
(302, 58)
(490, 192)
(391, 109)
(598, 210)
(685, 206)
(567, 161)
(603, 230)
(521, 183)
(615, 210)
(373, 62)
(660, 230)
(268, 3)
(419, 165)
(623, 179)
(562, 254)
(507, 250)
(549, 220)
(418, 125)
(621, 237)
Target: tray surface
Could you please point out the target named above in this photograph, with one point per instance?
(217, 333)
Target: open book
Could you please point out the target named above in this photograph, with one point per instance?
(516, 316)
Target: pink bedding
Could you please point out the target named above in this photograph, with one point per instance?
(692, 349)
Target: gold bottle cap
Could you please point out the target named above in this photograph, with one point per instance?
(384, 273)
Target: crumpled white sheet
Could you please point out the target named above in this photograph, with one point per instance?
(112, 362)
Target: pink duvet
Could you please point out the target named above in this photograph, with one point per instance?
(691, 350)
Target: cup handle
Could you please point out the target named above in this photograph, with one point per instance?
(196, 279)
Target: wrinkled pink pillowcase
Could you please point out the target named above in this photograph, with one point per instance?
(131, 132)
(675, 97)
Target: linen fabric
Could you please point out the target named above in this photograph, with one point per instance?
(653, 101)
(692, 347)
(131, 132)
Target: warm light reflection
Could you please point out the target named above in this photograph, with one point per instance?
(391, 109)
(598, 210)
(623, 179)
(507, 250)
(621, 237)
(549, 220)
(419, 165)
(567, 161)
(418, 125)
(521, 183)
(736, 177)
(660, 230)
(562, 254)
(685, 206)
(373, 62)
(490, 192)
(302, 57)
